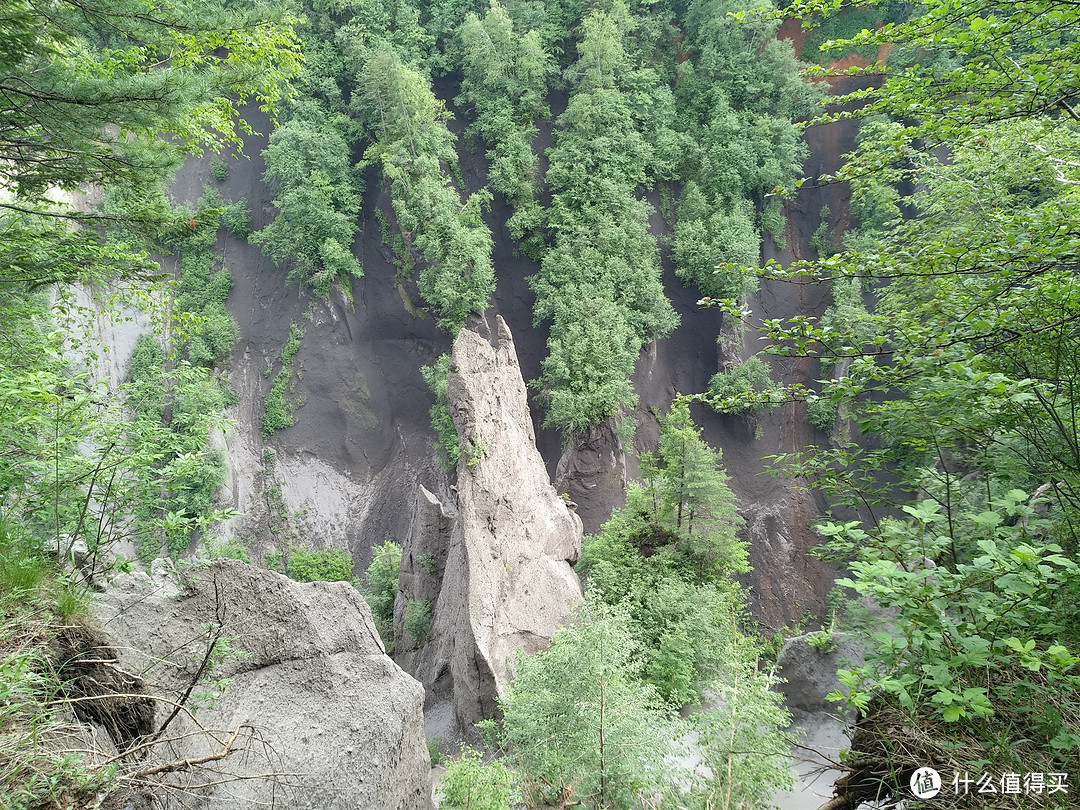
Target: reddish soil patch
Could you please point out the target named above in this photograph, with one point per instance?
(791, 29)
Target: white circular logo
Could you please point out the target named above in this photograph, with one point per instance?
(925, 783)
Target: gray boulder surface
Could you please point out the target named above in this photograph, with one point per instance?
(322, 717)
(502, 579)
(810, 674)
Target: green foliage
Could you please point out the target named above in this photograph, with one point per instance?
(576, 718)
(821, 413)
(219, 170)
(737, 96)
(688, 486)
(746, 387)
(472, 784)
(822, 640)
(963, 374)
(277, 410)
(203, 286)
(231, 549)
(1004, 613)
(412, 145)
(847, 24)
(34, 776)
(666, 558)
(448, 446)
(237, 218)
(847, 320)
(505, 81)
(476, 450)
(382, 588)
(434, 747)
(104, 95)
(418, 621)
(318, 200)
(823, 239)
(705, 239)
(774, 223)
(743, 747)
(581, 724)
(94, 99)
(599, 285)
(319, 565)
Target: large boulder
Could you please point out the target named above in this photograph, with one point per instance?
(499, 560)
(299, 690)
(809, 671)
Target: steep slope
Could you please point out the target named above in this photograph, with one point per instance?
(343, 475)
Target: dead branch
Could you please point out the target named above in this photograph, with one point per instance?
(185, 764)
(219, 614)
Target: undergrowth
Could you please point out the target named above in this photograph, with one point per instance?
(36, 602)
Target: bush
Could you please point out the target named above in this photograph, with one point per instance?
(382, 588)
(447, 448)
(323, 565)
(147, 359)
(231, 549)
(237, 218)
(821, 413)
(775, 223)
(418, 620)
(472, 784)
(707, 235)
(218, 168)
(823, 239)
(220, 333)
(740, 389)
(277, 410)
(822, 641)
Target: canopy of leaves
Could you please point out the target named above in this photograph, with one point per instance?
(317, 196)
(412, 146)
(600, 282)
(506, 80)
(963, 377)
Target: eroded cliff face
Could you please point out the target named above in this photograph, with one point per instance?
(495, 563)
(316, 715)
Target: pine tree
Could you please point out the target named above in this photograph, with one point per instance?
(688, 486)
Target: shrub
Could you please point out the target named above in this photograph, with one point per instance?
(231, 549)
(237, 218)
(146, 359)
(823, 239)
(472, 784)
(418, 620)
(822, 641)
(448, 449)
(220, 333)
(322, 565)
(434, 750)
(821, 413)
(219, 170)
(382, 588)
(775, 223)
(742, 387)
(277, 410)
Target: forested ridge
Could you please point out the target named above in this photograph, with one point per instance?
(948, 452)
